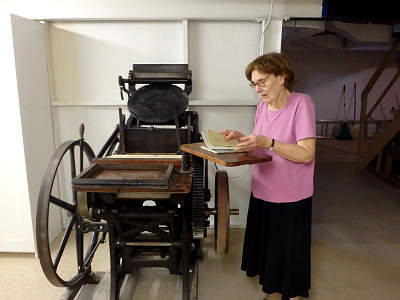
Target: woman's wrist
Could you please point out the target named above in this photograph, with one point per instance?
(268, 142)
(272, 145)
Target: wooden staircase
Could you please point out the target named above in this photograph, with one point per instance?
(375, 147)
(369, 149)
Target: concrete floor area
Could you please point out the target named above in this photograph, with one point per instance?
(355, 246)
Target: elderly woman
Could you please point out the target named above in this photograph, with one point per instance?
(278, 231)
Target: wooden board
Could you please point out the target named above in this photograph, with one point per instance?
(178, 184)
(221, 220)
(125, 174)
(139, 159)
(122, 177)
(225, 159)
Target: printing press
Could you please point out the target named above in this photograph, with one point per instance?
(146, 191)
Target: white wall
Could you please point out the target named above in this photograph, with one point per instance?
(34, 101)
(14, 182)
(322, 74)
(88, 57)
(16, 232)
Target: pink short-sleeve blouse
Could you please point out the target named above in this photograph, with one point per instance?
(283, 180)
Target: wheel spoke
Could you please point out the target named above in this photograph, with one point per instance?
(62, 204)
(73, 172)
(72, 157)
(80, 157)
(89, 255)
(79, 248)
(64, 241)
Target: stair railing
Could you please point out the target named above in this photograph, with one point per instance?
(364, 116)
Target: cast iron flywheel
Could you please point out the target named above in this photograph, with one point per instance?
(70, 155)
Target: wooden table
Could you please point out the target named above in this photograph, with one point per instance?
(225, 159)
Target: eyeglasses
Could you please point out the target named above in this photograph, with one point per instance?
(260, 83)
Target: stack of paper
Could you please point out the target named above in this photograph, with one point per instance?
(215, 142)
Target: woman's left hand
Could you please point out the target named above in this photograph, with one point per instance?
(253, 142)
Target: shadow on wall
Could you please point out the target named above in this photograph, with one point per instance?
(88, 57)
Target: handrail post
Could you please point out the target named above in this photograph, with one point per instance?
(364, 99)
(362, 132)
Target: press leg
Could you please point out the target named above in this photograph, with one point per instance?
(114, 293)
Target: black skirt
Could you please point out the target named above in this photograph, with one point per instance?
(277, 246)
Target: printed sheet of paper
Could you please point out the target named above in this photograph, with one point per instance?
(218, 139)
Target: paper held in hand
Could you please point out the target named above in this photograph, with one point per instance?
(216, 143)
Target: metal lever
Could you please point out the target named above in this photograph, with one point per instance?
(122, 88)
(81, 130)
(81, 133)
(121, 131)
(185, 164)
(88, 226)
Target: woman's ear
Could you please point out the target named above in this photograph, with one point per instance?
(281, 79)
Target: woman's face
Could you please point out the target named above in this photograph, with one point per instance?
(268, 86)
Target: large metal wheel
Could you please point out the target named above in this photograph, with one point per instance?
(221, 219)
(78, 153)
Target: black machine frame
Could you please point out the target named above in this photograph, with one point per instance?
(172, 228)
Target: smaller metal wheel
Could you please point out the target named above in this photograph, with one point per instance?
(221, 219)
(72, 155)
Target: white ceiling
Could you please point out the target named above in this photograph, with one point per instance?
(335, 35)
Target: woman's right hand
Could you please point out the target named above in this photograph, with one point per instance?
(231, 134)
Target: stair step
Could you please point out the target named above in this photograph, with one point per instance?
(396, 113)
(371, 144)
(373, 147)
(388, 125)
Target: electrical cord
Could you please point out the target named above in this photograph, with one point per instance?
(265, 27)
(261, 53)
(234, 177)
(216, 167)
